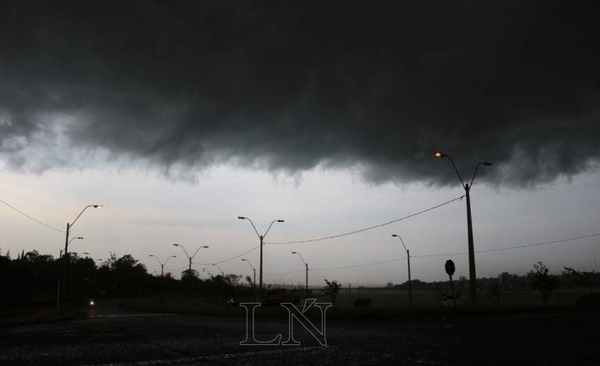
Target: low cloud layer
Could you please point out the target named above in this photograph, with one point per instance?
(287, 86)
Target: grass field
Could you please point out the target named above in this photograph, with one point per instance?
(384, 303)
(426, 298)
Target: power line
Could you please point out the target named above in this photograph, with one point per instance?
(542, 243)
(229, 259)
(370, 227)
(344, 267)
(285, 273)
(339, 235)
(175, 270)
(31, 218)
(361, 265)
(444, 255)
(513, 247)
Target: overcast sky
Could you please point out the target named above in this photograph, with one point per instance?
(181, 116)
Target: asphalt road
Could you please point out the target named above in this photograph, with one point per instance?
(110, 336)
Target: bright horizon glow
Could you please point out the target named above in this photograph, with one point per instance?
(320, 203)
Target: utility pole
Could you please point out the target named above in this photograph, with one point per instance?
(306, 266)
(410, 299)
(471, 246)
(65, 257)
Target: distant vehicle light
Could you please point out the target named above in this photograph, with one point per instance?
(92, 303)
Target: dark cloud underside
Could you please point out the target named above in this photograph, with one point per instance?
(289, 85)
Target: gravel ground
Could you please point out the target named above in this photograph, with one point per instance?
(116, 337)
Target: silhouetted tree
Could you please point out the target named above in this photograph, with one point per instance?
(189, 275)
(331, 289)
(129, 275)
(585, 280)
(542, 281)
(232, 279)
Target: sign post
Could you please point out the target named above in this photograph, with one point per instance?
(450, 269)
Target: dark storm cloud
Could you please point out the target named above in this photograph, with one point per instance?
(290, 85)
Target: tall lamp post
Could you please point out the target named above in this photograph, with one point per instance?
(253, 269)
(261, 237)
(305, 265)
(467, 188)
(410, 302)
(66, 255)
(162, 264)
(190, 265)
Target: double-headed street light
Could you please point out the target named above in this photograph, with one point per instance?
(409, 280)
(190, 265)
(261, 237)
(65, 255)
(467, 188)
(305, 265)
(253, 269)
(162, 264)
(188, 256)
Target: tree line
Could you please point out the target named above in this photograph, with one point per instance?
(34, 279)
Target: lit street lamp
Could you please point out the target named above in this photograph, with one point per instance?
(305, 265)
(409, 280)
(261, 237)
(253, 269)
(190, 265)
(162, 264)
(467, 187)
(65, 256)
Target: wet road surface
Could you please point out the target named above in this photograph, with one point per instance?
(111, 336)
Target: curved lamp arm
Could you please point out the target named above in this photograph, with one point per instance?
(82, 211)
(484, 163)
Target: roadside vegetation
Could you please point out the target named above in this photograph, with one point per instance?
(30, 285)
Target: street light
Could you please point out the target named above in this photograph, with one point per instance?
(162, 264)
(220, 270)
(409, 280)
(261, 237)
(467, 188)
(190, 264)
(65, 255)
(253, 269)
(305, 265)
(77, 237)
(188, 256)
